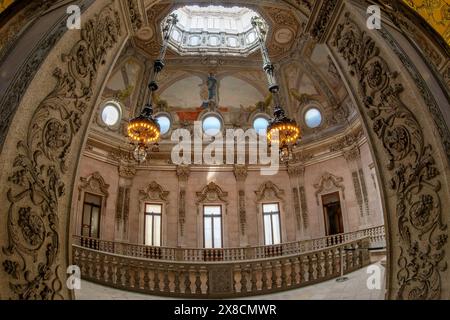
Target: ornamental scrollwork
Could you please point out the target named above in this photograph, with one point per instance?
(414, 175)
(36, 185)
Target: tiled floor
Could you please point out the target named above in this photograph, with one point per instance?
(355, 288)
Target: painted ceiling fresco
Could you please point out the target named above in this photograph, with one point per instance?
(5, 4)
(436, 13)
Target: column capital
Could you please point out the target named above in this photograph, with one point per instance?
(240, 172)
(296, 170)
(183, 172)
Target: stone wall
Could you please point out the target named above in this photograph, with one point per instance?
(315, 177)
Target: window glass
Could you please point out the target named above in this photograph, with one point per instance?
(212, 226)
(260, 125)
(152, 235)
(272, 226)
(164, 124)
(111, 114)
(212, 126)
(313, 118)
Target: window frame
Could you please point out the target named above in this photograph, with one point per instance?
(271, 214)
(212, 226)
(115, 104)
(321, 113)
(160, 226)
(92, 205)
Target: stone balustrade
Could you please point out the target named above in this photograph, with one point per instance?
(376, 235)
(226, 279)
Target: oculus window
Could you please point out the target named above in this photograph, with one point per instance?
(260, 125)
(111, 114)
(214, 30)
(164, 124)
(313, 118)
(212, 125)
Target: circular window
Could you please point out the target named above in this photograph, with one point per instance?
(313, 118)
(111, 114)
(164, 124)
(260, 125)
(212, 125)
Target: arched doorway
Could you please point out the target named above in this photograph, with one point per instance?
(48, 120)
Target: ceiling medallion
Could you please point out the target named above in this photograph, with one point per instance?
(144, 130)
(281, 130)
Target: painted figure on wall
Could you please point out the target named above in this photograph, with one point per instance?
(210, 91)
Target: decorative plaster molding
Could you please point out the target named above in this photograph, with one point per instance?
(93, 184)
(327, 182)
(154, 192)
(269, 191)
(37, 183)
(415, 176)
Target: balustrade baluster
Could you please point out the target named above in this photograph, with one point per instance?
(259, 277)
(203, 280)
(237, 278)
(152, 278)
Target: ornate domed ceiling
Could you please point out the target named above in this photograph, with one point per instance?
(307, 74)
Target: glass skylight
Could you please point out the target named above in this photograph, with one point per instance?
(214, 30)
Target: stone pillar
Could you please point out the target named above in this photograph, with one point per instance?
(241, 173)
(297, 181)
(353, 157)
(126, 175)
(183, 173)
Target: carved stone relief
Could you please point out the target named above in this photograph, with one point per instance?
(93, 184)
(327, 182)
(241, 173)
(414, 175)
(211, 193)
(37, 189)
(154, 192)
(269, 191)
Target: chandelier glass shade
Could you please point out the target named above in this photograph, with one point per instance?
(143, 130)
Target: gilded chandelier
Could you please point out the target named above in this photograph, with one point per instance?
(144, 130)
(281, 129)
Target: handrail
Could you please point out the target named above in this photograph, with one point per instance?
(376, 235)
(202, 279)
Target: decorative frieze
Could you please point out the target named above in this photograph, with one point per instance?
(323, 19)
